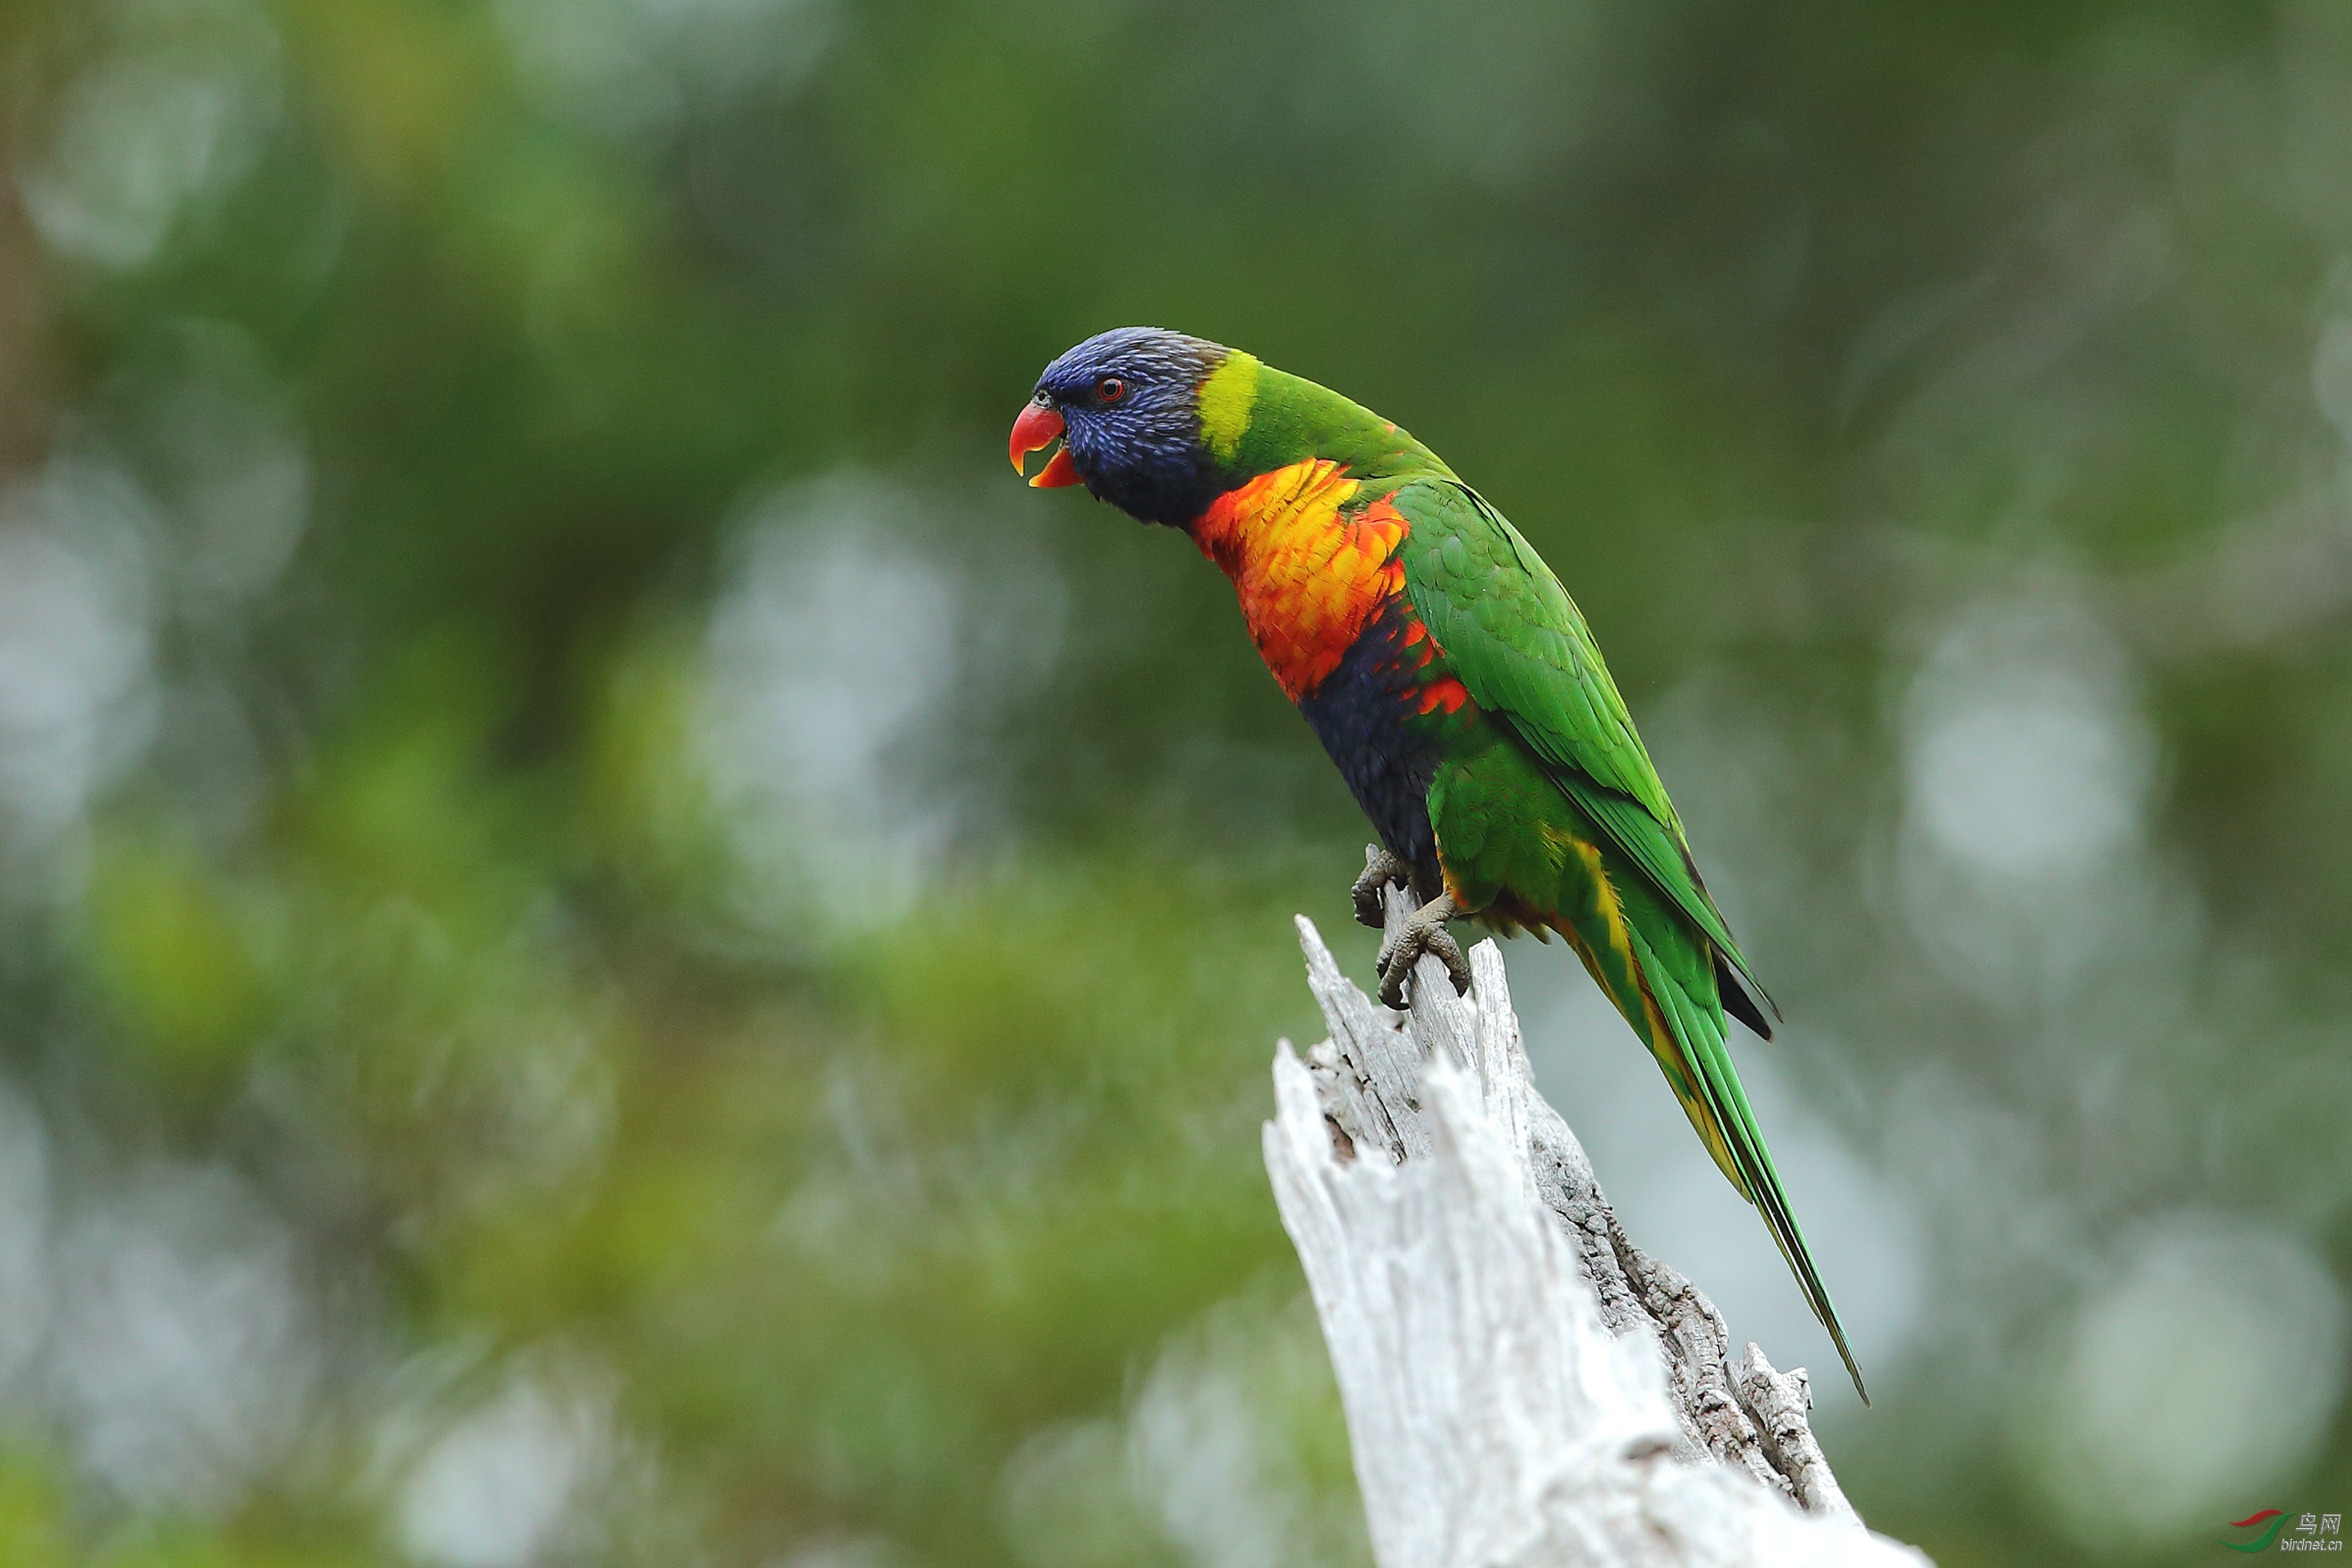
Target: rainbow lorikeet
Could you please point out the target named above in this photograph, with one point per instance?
(1454, 682)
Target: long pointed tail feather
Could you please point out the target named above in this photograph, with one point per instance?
(1719, 1111)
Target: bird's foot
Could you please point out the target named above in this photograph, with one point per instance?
(1382, 870)
(1422, 932)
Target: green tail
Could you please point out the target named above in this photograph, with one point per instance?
(1513, 840)
(1710, 1088)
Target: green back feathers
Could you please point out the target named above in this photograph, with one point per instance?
(1520, 646)
(1255, 419)
(1517, 641)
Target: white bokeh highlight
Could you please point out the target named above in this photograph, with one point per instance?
(185, 1351)
(634, 66)
(155, 130)
(1205, 1457)
(2025, 753)
(76, 683)
(841, 655)
(213, 438)
(2206, 1367)
(495, 1487)
(2028, 771)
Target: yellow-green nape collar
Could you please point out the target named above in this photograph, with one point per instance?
(1227, 398)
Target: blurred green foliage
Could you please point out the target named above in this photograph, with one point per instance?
(617, 949)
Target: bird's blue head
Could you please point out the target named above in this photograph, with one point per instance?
(1126, 404)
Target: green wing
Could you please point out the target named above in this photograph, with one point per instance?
(1522, 649)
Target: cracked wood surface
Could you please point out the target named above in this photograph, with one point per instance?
(1523, 1384)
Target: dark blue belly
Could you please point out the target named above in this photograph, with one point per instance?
(1364, 712)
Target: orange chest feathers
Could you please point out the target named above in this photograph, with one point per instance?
(1309, 578)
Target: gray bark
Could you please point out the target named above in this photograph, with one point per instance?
(1523, 1385)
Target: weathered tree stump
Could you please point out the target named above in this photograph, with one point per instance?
(1523, 1385)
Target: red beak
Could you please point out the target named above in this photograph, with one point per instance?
(1037, 427)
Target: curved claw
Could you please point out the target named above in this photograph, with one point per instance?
(1382, 870)
(1425, 932)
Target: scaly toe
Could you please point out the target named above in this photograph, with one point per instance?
(1449, 952)
(1393, 965)
(1381, 870)
(1400, 953)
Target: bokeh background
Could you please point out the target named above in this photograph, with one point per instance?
(614, 948)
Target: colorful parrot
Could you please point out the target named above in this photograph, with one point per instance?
(1454, 682)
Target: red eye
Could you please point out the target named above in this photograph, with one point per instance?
(1110, 389)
